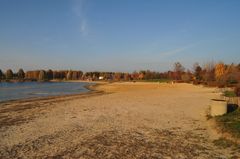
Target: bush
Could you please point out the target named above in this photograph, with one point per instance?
(229, 94)
(230, 123)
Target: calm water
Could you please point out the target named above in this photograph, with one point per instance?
(10, 91)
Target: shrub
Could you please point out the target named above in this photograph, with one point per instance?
(229, 94)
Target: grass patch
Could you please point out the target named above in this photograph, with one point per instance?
(224, 143)
(155, 80)
(230, 123)
(230, 94)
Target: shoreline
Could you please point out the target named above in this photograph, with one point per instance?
(90, 87)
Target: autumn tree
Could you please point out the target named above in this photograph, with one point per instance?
(134, 75)
(149, 75)
(32, 75)
(232, 74)
(109, 75)
(78, 74)
(60, 74)
(127, 77)
(75, 75)
(9, 74)
(21, 74)
(35, 74)
(238, 67)
(219, 71)
(186, 76)
(118, 76)
(141, 74)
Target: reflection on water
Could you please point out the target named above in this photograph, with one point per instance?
(10, 91)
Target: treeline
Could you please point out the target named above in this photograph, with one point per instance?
(217, 74)
(212, 74)
(40, 75)
(43, 75)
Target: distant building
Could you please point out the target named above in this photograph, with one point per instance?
(101, 78)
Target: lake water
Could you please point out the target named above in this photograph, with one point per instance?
(12, 91)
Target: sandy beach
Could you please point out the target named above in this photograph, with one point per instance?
(116, 120)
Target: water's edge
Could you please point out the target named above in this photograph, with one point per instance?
(90, 87)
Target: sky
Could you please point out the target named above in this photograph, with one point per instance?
(117, 35)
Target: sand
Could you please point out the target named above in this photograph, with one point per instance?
(117, 120)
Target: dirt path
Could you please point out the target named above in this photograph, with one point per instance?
(131, 120)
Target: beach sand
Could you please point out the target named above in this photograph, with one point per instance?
(117, 120)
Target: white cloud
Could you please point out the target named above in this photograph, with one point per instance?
(177, 51)
(83, 27)
(173, 52)
(78, 9)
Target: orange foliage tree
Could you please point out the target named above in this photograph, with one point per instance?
(219, 71)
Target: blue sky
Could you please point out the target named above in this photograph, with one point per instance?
(117, 35)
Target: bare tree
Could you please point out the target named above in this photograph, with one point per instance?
(178, 70)
(209, 73)
(178, 67)
(197, 71)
